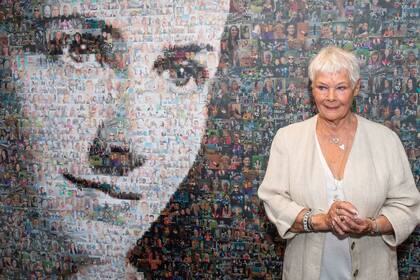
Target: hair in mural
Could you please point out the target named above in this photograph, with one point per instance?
(65, 129)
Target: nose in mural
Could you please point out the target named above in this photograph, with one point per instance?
(110, 153)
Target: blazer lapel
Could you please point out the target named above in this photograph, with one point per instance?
(315, 170)
(358, 171)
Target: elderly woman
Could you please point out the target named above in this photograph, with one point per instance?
(338, 187)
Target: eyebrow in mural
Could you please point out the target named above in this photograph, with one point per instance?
(182, 65)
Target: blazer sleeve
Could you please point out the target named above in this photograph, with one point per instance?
(402, 204)
(274, 190)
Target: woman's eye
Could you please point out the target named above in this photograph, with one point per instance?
(342, 88)
(322, 88)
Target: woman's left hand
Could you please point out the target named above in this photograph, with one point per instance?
(357, 225)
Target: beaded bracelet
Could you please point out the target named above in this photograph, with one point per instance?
(306, 225)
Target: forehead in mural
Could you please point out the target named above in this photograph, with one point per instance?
(114, 108)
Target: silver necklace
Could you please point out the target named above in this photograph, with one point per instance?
(336, 141)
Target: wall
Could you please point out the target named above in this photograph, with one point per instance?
(198, 216)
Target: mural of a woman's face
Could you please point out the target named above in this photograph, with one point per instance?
(37, 13)
(410, 84)
(66, 11)
(291, 30)
(47, 11)
(118, 132)
(55, 11)
(278, 30)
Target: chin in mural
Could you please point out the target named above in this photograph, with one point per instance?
(112, 109)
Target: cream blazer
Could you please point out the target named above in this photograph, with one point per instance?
(377, 180)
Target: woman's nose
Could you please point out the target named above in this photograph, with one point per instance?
(331, 94)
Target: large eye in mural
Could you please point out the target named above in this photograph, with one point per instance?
(181, 64)
(102, 44)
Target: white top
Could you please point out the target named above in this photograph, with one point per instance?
(336, 259)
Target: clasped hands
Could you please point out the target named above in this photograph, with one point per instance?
(343, 219)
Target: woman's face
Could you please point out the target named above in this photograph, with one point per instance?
(325, 30)
(47, 11)
(410, 84)
(235, 85)
(283, 60)
(365, 26)
(37, 13)
(55, 11)
(224, 87)
(278, 29)
(58, 35)
(291, 30)
(234, 32)
(267, 58)
(333, 94)
(66, 10)
(411, 57)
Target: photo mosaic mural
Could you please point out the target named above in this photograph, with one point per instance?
(134, 134)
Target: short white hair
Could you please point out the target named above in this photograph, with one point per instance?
(332, 59)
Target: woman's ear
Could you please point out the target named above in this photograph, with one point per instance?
(356, 89)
